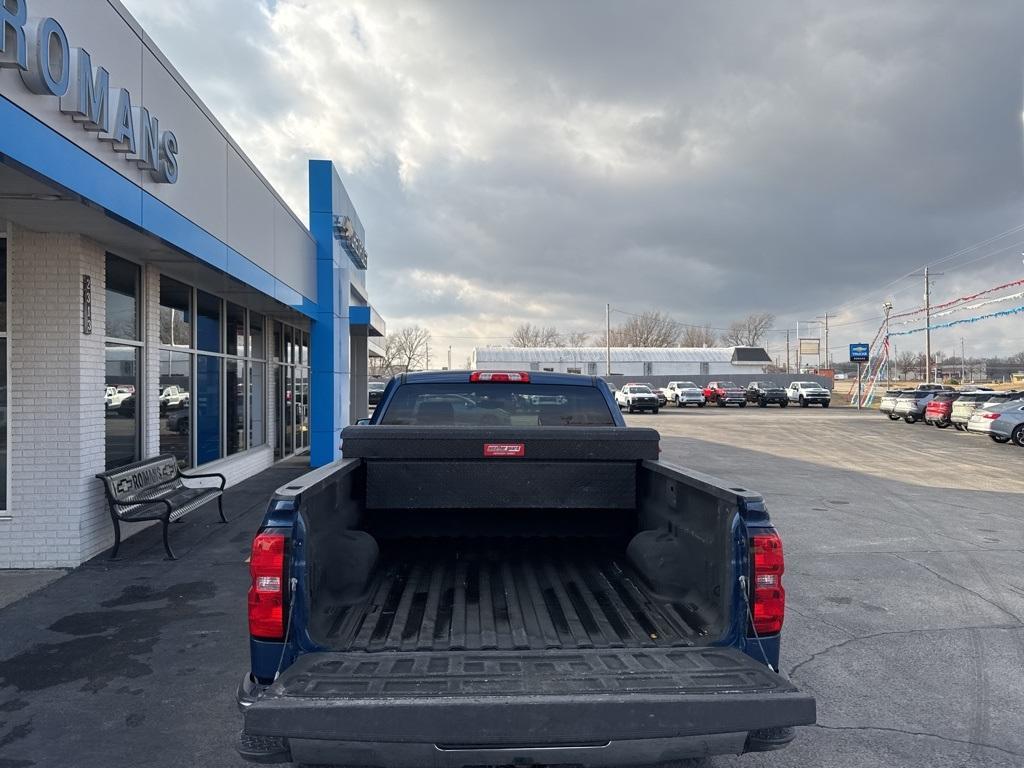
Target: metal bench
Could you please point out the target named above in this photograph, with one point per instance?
(152, 489)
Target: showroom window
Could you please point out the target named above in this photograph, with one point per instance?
(212, 374)
(3, 373)
(291, 389)
(122, 418)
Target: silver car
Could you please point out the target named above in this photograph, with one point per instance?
(1003, 422)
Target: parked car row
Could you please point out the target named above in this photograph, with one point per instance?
(1000, 415)
(644, 397)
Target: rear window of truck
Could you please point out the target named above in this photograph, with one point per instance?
(497, 404)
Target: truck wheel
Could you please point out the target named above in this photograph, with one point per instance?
(701, 405)
(893, 417)
(629, 407)
(743, 404)
(803, 403)
(720, 403)
(826, 404)
(941, 424)
(909, 418)
(784, 404)
(679, 403)
(1000, 438)
(762, 403)
(654, 410)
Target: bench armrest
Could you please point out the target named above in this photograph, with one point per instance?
(223, 480)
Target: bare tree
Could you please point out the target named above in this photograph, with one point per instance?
(651, 329)
(905, 363)
(411, 344)
(750, 331)
(387, 364)
(575, 338)
(529, 335)
(697, 336)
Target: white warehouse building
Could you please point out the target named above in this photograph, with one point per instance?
(625, 361)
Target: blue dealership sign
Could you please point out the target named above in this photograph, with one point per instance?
(860, 353)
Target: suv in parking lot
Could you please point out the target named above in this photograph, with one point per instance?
(764, 392)
(965, 406)
(938, 411)
(637, 397)
(722, 393)
(888, 403)
(807, 392)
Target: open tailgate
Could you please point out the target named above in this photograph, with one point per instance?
(493, 698)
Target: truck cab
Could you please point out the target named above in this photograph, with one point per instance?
(536, 588)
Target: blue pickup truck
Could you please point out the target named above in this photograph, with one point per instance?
(500, 572)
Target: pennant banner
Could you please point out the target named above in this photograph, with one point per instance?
(1003, 313)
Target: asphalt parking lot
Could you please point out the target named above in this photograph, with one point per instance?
(905, 583)
(904, 578)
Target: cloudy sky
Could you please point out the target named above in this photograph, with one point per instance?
(534, 160)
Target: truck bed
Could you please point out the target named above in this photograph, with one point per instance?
(507, 594)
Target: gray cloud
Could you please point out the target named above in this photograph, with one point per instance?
(704, 159)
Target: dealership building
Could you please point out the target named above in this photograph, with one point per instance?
(159, 296)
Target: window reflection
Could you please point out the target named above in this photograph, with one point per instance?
(174, 399)
(175, 313)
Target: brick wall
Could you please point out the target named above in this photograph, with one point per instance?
(55, 422)
(56, 426)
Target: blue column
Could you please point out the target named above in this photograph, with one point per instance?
(329, 387)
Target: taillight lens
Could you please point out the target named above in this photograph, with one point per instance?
(769, 598)
(266, 591)
(516, 377)
(990, 415)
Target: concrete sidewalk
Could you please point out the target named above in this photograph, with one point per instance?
(134, 662)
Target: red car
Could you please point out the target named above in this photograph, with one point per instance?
(939, 410)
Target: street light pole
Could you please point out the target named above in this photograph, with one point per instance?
(963, 361)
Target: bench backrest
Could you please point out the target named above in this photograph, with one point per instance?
(142, 479)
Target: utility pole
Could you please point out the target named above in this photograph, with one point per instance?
(608, 339)
(827, 364)
(963, 361)
(449, 357)
(927, 328)
(426, 366)
(888, 350)
(787, 351)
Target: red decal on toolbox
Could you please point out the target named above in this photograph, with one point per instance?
(504, 450)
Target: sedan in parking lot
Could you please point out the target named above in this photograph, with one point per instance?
(1003, 423)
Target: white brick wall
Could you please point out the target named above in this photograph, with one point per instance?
(56, 419)
(56, 435)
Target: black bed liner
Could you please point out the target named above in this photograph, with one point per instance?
(531, 594)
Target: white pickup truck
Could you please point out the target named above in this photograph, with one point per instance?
(807, 392)
(684, 393)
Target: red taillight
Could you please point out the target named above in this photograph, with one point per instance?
(266, 591)
(520, 377)
(990, 415)
(769, 598)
